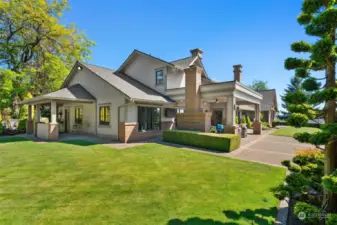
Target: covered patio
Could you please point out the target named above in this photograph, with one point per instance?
(61, 104)
(206, 105)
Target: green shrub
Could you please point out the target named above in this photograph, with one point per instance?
(249, 122)
(22, 125)
(330, 182)
(212, 130)
(237, 120)
(1, 129)
(265, 126)
(297, 120)
(332, 219)
(243, 120)
(302, 207)
(219, 142)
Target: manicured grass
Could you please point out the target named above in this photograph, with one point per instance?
(81, 183)
(290, 131)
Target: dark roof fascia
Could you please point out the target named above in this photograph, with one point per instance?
(145, 54)
(131, 78)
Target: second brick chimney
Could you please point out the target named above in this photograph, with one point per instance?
(237, 72)
(197, 52)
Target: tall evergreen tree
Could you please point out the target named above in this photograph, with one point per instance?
(295, 85)
(319, 18)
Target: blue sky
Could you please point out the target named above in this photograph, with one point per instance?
(256, 34)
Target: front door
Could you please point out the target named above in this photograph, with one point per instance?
(216, 118)
(66, 120)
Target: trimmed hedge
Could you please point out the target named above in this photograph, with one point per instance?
(284, 123)
(218, 142)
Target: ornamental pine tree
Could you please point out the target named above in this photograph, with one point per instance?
(295, 85)
(319, 18)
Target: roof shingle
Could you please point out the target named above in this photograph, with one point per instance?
(128, 85)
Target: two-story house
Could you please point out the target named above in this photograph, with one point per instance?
(140, 99)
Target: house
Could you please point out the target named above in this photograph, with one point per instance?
(269, 107)
(141, 99)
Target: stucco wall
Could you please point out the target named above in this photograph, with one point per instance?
(89, 115)
(104, 94)
(43, 131)
(143, 69)
(175, 79)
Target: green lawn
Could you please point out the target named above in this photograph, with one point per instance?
(290, 131)
(82, 183)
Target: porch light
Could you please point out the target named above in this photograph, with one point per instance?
(79, 68)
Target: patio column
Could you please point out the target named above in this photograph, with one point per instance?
(53, 112)
(230, 127)
(37, 118)
(257, 126)
(30, 123)
(53, 126)
(257, 113)
(231, 110)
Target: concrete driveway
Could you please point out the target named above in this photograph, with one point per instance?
(267, 149)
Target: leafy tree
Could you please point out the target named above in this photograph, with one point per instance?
(36, 46)
(319, 18)
(295, 85)
(259, 85)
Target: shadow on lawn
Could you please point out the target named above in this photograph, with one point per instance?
(79, 143)
(258, 216)
(12, 139)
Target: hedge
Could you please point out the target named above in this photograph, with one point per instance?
(218, 142)
(284, 123)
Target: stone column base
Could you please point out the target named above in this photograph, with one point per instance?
(231, 130)
(53, 132)
(30, 127)
(257, 127)
(125, 131)
(197, 121)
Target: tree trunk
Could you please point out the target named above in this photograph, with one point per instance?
(330, 199)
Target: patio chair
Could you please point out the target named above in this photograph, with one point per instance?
(220, 128)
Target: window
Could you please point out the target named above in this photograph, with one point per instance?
(159, 77)
(104, 115)
(148, 118)
(78, 115)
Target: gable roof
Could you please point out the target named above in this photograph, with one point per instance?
(137, 52)
(73, 93)
(130, 87)
(184, 62)
(269, 100)
(179, 64)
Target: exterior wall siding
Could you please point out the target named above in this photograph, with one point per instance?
(175, 79)
(143, 69)
(104, 94)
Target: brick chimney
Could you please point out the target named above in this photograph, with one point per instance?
(237, 72)
(192, 89)
(196, 52)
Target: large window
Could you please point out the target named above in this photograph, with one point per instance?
(148, 118)
(78, 115)
(159, 77)
(104, 115)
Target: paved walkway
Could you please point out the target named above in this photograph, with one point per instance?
(268, 149)
(265, 148)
